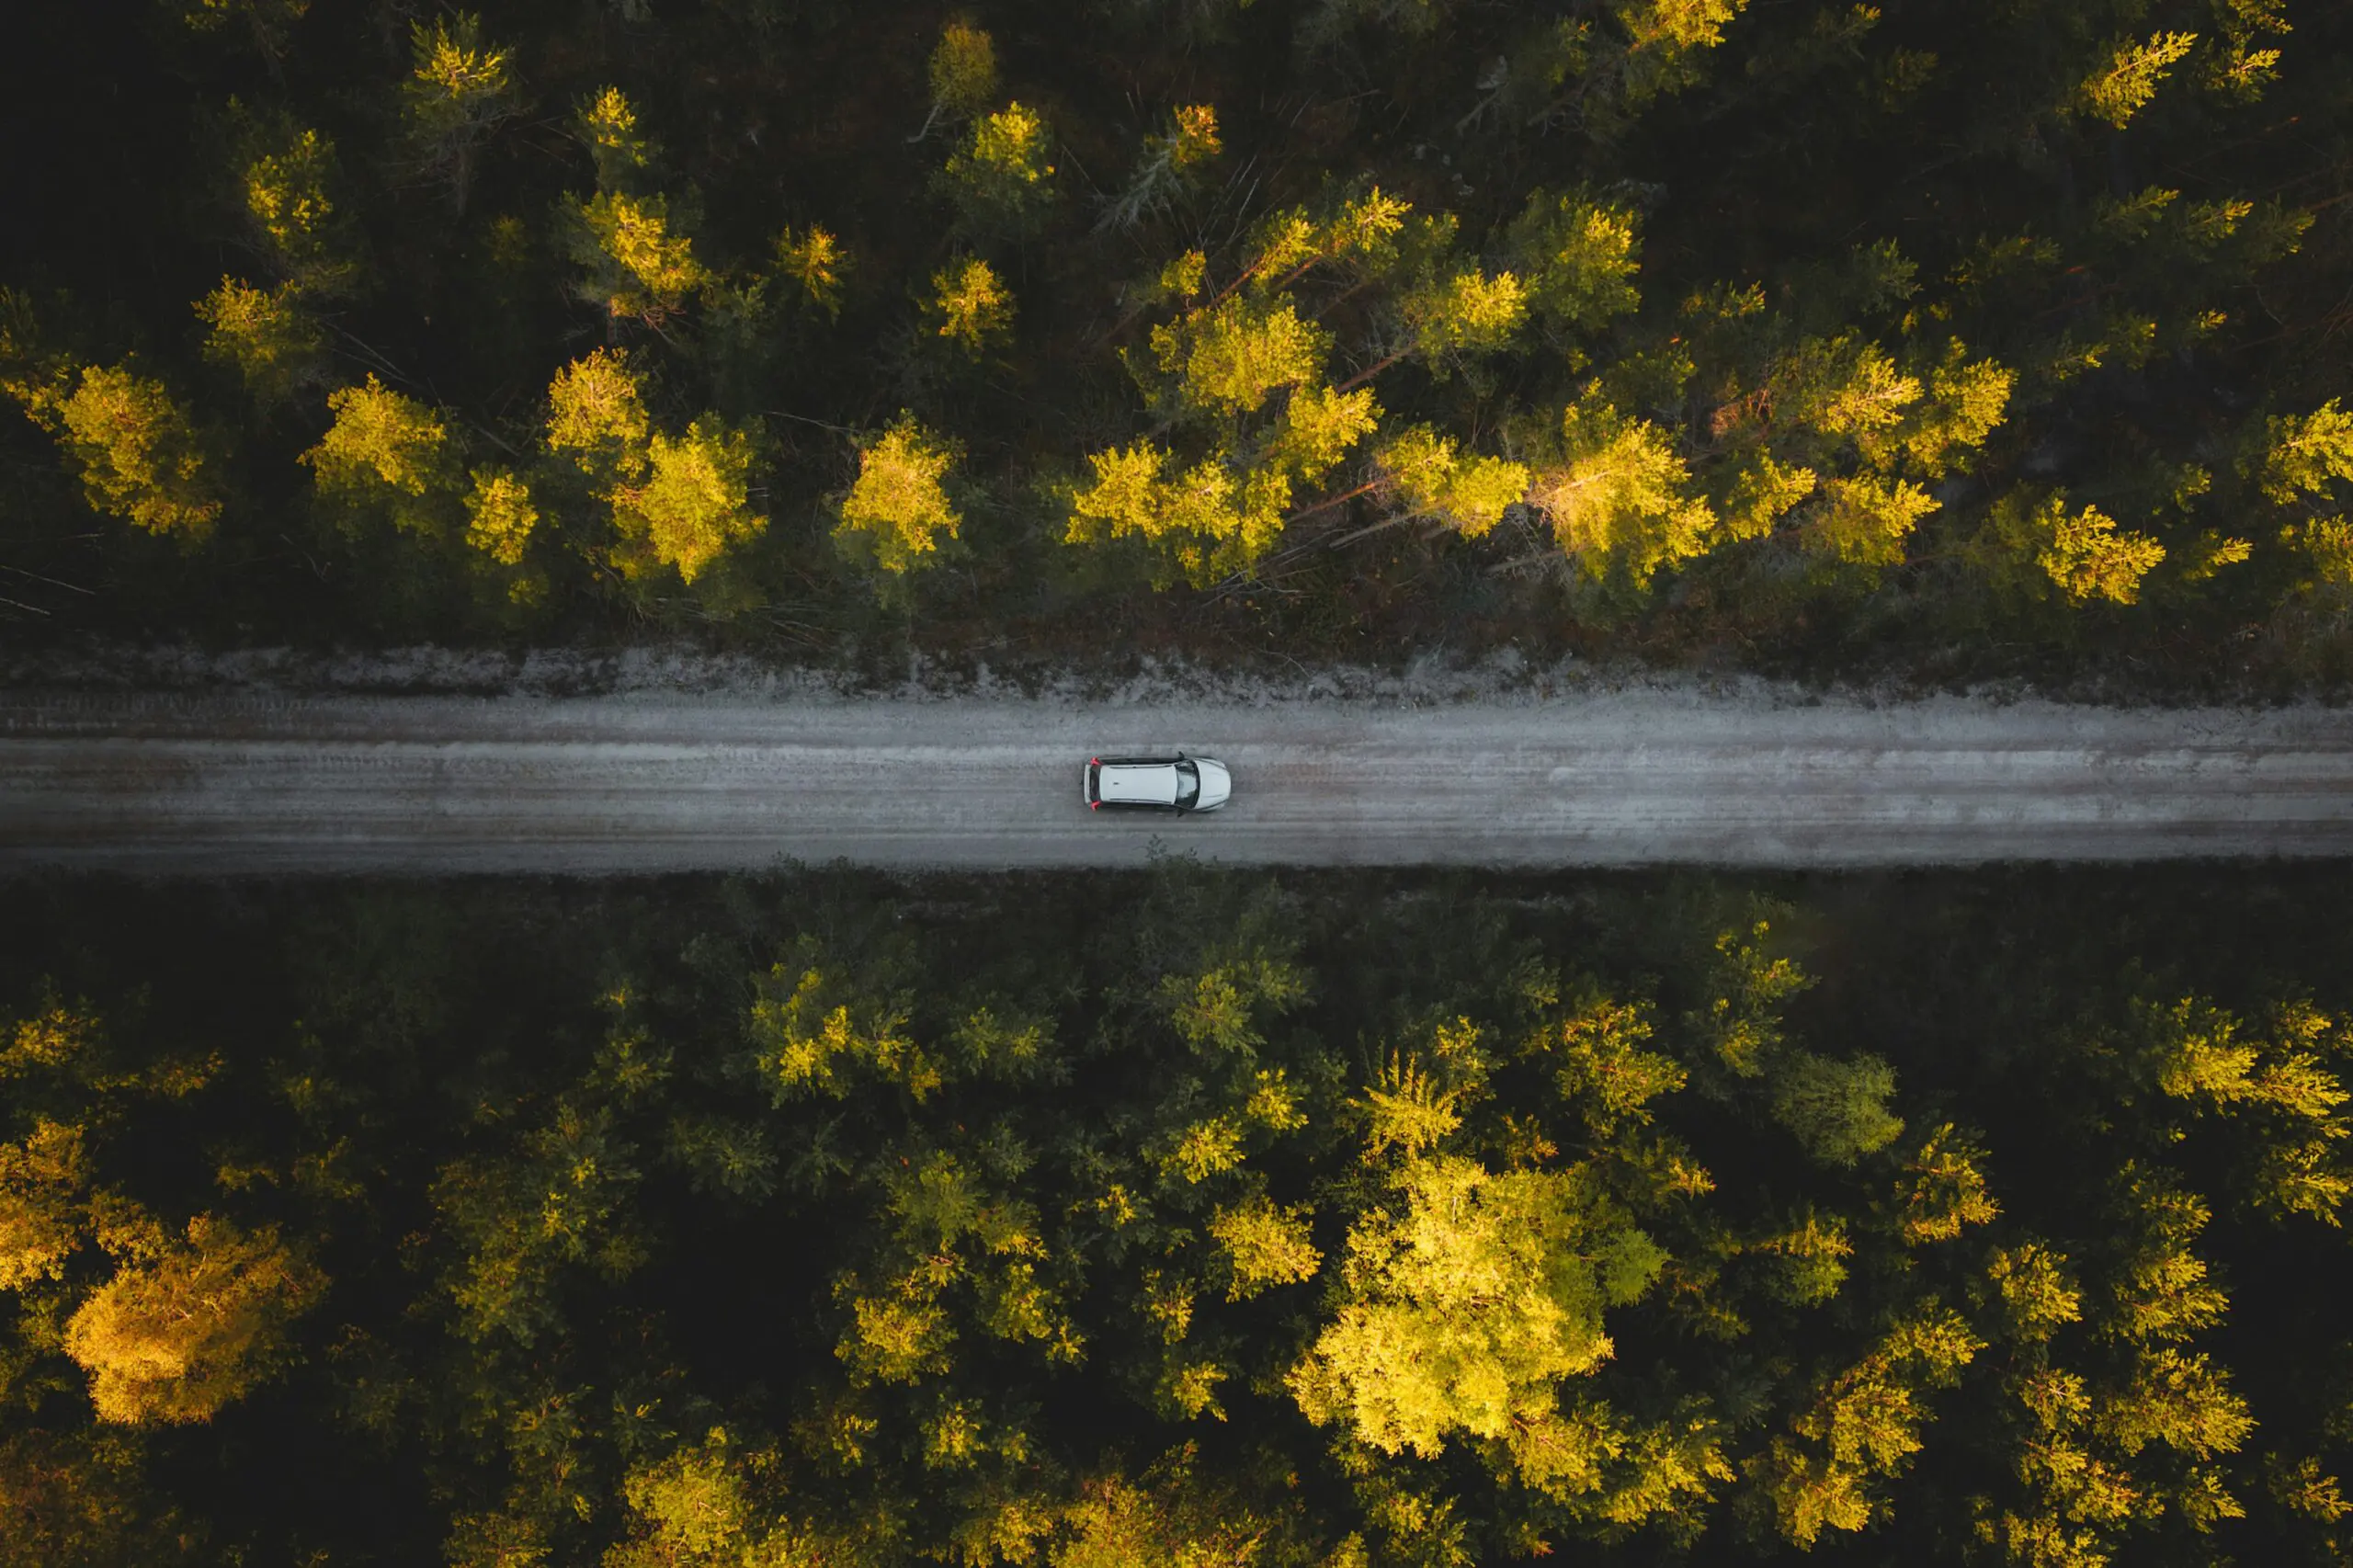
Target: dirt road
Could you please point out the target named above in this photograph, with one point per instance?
(669, 782)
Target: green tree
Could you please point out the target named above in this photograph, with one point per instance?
(961, 74)
(1172, 163)
(1576, 257)
(290, 205)
(268, 335)
(267, 23)
(458, 89)
(1001, 180)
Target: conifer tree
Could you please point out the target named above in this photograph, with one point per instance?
(139, 456)
(458, 89)
(897, 509)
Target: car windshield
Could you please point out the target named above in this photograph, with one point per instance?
(1188, 783)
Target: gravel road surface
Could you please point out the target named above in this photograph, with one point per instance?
(675, 782)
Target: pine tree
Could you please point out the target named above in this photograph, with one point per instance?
(139, 457)
(457, 90)
(897, 509)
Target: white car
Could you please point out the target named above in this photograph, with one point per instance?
(1178, 783)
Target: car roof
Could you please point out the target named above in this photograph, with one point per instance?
(1143, 783)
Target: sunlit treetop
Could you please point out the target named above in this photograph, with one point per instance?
(1578, 258)
(971, 304)
(500, 515)
(1232, 357)
(962, 70)
(639, 266)
(2305, 456)
(1620, 496)
(1000, 179)
(185, 1327)
(2127, 80)
(382, 443)
(897, 508)
(457, 87)
(1432, 477)
(286, 198)
(608, 122)
(694, 504)
(455, 75)
(815, 263)
(265, 334)
(138, 454)
(596, 414)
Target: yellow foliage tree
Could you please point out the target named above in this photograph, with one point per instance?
(693, 503)
(1231, 358)
(1865, 1423)
(2128, 79)
(383, 448)
(606, 121)
(40, 1211)
(1264, 1245)
(267, 335)
(185, 1327)
(1201, 521)
(1431, 477)
(961, 74)
(1467, 1303)
(2041, 546)
(816, 264)
(897, 508)
(638, 266)
(1468, 313)
(2088, 558)
(2306, 455)
(1002, 179)
(596, 415)
(293, 213)
(137, 454)
(500, 515)
(972, 305)
(1866, 519)
(1620, 497)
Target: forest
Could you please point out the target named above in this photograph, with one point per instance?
(1953, 338)
(1180, 1217)
(1184, 1217)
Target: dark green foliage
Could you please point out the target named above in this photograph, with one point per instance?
(1192, 1218)
(1961, 338)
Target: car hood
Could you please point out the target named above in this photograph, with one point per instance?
(1217, 784)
